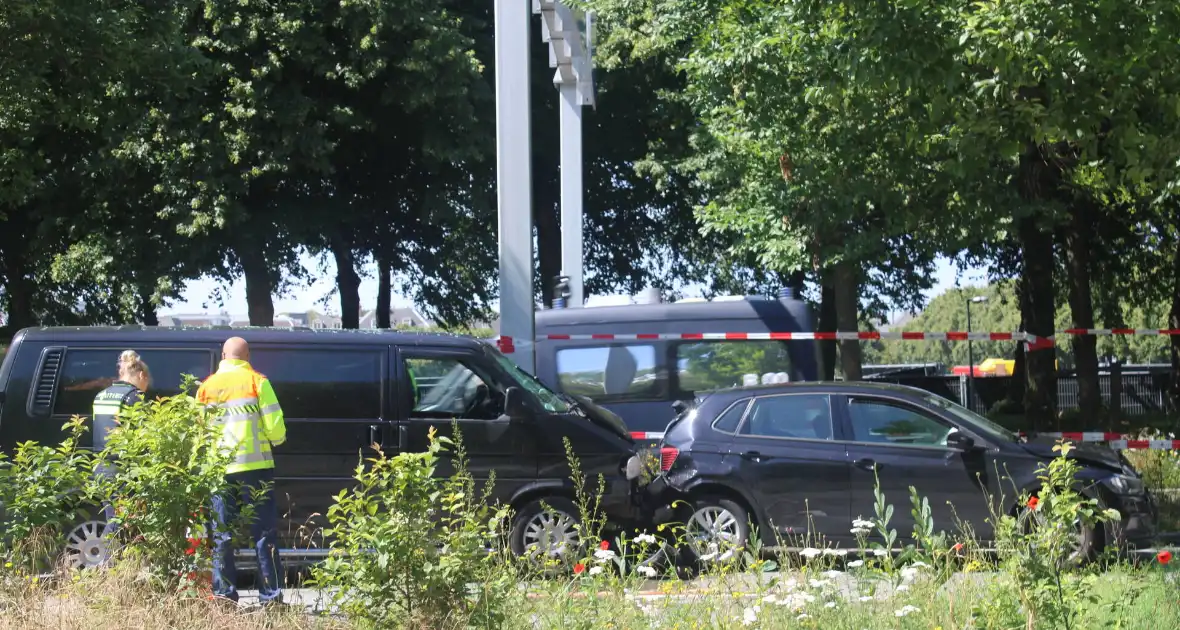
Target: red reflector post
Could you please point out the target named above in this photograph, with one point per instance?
(668, 456)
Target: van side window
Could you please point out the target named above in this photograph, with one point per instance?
(706, 365)
(86, 372)
(613, 373)
(449, 388)
(329, 383)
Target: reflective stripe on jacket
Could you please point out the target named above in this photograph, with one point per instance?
(108, 404)
(250, 413)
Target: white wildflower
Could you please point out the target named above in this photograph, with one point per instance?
(859, 531)
(802, 616)
(919, 565)
(645, 539)
(646, 571)
(909, 573)
(836, 552)
(595, 570)
(830, 605)
(770, 599)
(832, 573)
(860, 523)
(856, 564)
(906, 610)
(604, 555)
(725, 556)
(818, 583)
(880, 553)
(810, 552)
(750, 615)
(903, 588)
(866, 598)
(709, 556)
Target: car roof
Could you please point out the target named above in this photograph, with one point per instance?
(774, 314)
(818, 387)
(218, 334)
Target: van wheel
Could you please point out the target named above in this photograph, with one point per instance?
(546, 530)
(717, 530)
(86, 545)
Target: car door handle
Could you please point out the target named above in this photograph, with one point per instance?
(754, 456)
(865, 463)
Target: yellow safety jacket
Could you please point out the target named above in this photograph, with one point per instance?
(250, 413)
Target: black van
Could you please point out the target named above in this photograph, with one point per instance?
(637, 359)
(342, 391)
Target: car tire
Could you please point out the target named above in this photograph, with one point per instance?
(715, 526)
(546, 530)
(1090, 540)
(85, 546)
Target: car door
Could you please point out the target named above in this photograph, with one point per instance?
(447, 387)
(906, 445)
(794, 468)
(333, 399)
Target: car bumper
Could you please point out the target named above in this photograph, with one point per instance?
(1137, 528)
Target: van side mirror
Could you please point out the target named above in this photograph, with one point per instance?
(514, 408)
(960, 441)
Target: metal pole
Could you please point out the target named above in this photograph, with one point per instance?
(514, 179)
(970, 362)
(571, 190)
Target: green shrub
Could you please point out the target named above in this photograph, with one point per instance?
(42, 491)
(408, 549)
(169, 467)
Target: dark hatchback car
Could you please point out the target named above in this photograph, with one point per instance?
(799, 459)
(342, 391)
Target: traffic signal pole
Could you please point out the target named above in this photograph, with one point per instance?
(514, 180)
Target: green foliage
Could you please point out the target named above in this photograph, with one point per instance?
(1039, 543)
(42, 494)
(411, 550)
(169, 465)
(1000, 313)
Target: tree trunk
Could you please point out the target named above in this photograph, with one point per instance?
(1078, 241)
(827, 323)
(1174, 324)
(547, 218)
(147, 310)
(847, 290)
(15, 269)
(258, 285)
(796, 282)
(1016, 384)
(384, 293)
(1040, 395)
(348, 283)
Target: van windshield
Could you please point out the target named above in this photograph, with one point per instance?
(548, 398)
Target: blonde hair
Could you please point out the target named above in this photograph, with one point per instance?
(131, 366)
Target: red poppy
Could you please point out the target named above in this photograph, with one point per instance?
(1033, 502)
(957, 548)
(579, 568)
(1164, 556)
(604, 545)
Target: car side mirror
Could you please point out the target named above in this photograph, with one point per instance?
(960, 441)
(514, 408)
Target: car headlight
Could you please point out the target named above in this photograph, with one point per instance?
(1124, 484)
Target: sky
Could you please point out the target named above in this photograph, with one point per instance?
(199, 296)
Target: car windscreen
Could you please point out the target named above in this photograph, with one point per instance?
(547, 397)
(974, 420)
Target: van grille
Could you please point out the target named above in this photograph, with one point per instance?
(41, 403)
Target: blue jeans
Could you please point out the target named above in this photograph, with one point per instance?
(106, 470)
(264, 530)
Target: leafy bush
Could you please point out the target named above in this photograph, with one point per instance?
(408, 549)
(42, 491)
(1039, 545)
(169, 467)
